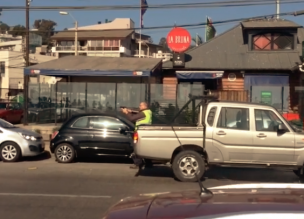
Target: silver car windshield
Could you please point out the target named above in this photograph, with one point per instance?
(5, 124)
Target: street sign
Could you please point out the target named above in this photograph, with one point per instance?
(179, 59)
(178, 39)
(266, 97)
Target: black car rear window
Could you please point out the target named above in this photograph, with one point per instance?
(81, 122)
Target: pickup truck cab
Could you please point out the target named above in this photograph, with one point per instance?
(236, 134)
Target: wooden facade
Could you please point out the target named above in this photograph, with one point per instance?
(235, 85)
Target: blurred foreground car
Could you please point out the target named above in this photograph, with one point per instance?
(231, 201)
(17, 142)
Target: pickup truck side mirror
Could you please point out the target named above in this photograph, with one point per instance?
(281, 128)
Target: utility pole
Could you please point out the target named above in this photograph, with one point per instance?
(76, 38)
(27, 61)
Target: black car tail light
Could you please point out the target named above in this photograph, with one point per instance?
(54, 134)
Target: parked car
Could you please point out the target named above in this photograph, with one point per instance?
(92, 134)
(223, 202)
(11, 112)
(236, 134)
(17, 142)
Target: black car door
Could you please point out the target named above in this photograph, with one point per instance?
(107, 137)
(79, 131)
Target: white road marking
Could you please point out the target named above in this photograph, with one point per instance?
(54, 195)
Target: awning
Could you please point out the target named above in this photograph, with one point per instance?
(266, 80)
(199, 74)
(59, 72)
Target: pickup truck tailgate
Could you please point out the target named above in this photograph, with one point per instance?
(160, 141)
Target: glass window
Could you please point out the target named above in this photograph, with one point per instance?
(102, 122)
(211, 115)
(266, 120)
(2, 105)
(234, 118)
(2, 67)
(81, 122)
(16, 106)
(273, 41)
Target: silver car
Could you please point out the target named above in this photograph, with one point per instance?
(17, 142)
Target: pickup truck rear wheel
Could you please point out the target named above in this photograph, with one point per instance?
(187, 164)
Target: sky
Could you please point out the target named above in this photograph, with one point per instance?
(152, 17)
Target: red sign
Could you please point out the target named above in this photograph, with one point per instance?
(179, 39)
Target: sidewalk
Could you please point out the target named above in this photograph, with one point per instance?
(45, 129)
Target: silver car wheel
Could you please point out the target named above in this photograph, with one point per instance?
(188, 166)
(64, 153)
(9, 152)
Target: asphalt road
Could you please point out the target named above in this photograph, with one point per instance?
(40, 188)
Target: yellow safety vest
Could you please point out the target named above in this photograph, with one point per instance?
(147, 120)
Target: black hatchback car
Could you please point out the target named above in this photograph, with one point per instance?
(92, 134)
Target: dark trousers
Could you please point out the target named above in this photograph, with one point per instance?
(137, 161)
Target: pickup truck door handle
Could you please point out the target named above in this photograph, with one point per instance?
(261, 135)
(221, 133)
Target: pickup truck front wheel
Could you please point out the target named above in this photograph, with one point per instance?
(187, 164)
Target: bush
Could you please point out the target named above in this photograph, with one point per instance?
(38, 131)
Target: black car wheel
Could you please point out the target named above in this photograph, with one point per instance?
(10, 152)
(65, 153)
(187, 164)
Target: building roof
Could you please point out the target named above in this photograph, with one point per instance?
(269, 23)
(228, 51)
(105, 66)
(87, 34)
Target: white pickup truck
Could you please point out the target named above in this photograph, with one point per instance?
(226, 134)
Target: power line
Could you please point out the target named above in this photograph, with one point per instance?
(182, 25)
(239, 3)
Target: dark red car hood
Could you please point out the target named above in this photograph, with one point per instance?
(189, 204)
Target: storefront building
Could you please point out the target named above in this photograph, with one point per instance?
(255, 61)
(82, 83)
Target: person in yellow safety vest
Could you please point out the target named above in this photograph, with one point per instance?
(144, 116)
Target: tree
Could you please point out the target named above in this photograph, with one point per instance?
(18, 30)
(45, 29)
(197, 40)
(3, 28)
(164, 45)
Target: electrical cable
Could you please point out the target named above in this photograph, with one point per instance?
(182, 25)
(218, 4)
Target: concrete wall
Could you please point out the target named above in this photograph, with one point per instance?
(118, 23)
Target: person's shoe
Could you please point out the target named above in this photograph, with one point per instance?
(133, 166)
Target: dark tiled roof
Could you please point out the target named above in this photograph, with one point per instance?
(266, 23)
(228, 52)
(86, 34)
(99, 63)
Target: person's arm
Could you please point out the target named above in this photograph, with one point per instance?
(135, 117)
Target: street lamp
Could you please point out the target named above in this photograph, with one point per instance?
(76, 28)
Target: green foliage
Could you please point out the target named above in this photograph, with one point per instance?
(3, 28)
(164, 45)
(38, 131)
(55, 129)
(199, 40)
(18, 30)
(45, 29)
